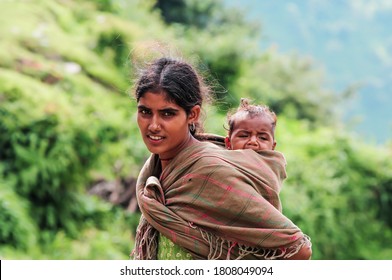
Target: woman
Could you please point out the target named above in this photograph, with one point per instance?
(200, 200)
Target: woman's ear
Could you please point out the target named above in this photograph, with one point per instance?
(194, 114)
(227, 143)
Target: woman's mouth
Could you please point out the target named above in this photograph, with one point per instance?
(155, 138)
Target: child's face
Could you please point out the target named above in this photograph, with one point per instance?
(252, 133)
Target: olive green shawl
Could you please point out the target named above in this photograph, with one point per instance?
(216, 204)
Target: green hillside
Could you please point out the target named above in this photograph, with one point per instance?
(67, 125)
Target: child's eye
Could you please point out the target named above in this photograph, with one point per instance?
(263, 137)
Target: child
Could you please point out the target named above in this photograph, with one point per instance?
(251, 127)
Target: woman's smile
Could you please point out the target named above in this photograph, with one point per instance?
(163, 124)
(155, 139)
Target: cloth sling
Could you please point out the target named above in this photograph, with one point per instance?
(216, 204)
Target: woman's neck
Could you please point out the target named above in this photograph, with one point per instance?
(165, 161)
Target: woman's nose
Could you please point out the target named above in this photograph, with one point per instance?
(154, 125)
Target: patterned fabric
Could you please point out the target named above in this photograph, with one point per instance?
(217, 204)
(167, 250)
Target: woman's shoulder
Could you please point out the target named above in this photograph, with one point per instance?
(216, 139)
(208, 149)
(273, 154)
(211, 151)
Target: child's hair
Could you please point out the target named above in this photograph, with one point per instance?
(253, 111)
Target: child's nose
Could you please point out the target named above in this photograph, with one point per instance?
(253, 139)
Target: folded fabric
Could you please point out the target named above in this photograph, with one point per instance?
(216, 204)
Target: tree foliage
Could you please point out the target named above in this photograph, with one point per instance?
(338, 190)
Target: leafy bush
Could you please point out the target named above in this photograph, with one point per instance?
(17, 229)
(333, 192)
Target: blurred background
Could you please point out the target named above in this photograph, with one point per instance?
(70, 149)
(349, 39)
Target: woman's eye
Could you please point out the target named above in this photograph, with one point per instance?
(144, 111)
(168, 114)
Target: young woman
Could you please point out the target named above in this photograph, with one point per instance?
(200, 201)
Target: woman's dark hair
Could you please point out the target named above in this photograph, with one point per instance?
(177, 79)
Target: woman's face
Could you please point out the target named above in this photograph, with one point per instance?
(164, 125)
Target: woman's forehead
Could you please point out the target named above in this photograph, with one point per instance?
(157, 100)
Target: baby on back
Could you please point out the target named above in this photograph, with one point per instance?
(251, 127)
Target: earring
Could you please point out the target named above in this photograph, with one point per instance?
(192, 127)
(227, 143)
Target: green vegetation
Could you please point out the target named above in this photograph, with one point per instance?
(67, 120)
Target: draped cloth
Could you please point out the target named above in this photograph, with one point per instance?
(216, 204)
